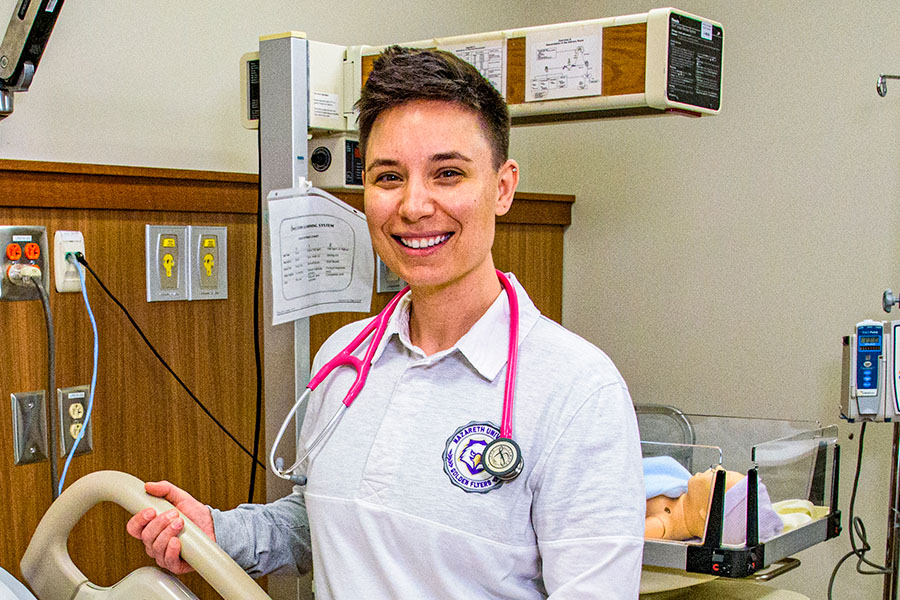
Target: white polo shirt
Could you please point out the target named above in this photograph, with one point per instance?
(399, 505)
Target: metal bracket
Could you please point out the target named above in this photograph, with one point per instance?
(881, 86)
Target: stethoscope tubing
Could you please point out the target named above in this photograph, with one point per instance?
(509, 390)
(378, 325)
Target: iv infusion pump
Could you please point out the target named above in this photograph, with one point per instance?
(871, 373)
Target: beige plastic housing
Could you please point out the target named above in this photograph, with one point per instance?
(52, 575)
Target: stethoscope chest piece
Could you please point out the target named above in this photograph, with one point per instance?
(503, 459)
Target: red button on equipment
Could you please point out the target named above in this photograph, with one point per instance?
(14, 252)
(32, 251)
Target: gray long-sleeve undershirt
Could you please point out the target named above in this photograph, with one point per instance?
(263, 538)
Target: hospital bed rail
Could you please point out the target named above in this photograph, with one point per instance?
(49, 570)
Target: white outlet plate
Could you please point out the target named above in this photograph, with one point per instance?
(72, 405)
(66, 242)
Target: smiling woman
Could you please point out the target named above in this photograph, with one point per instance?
(413, 488)
(431, 197)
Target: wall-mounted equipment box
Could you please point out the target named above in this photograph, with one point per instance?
(330, 107)
(23, 247)
(336, 162)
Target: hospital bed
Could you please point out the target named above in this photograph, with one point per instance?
(791, 468)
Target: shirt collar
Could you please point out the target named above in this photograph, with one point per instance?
(480, 344)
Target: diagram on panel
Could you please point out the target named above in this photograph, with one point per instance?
(563, 67)
(488, 56)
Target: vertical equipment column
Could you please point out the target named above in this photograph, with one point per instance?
(283, 124)
(284, 95)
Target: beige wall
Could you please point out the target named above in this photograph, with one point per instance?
(716, 260)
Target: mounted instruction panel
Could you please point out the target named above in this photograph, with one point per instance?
(662, 61)
(665, 60)
(563, 63)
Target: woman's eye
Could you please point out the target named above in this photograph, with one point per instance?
(387, 178)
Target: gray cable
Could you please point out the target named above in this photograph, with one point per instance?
(51, 382)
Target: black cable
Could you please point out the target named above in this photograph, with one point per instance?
(857, 527)
(257, 351)
(80, 257)
(51, 384)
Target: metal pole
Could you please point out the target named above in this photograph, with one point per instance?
(284, 99)
(283, 130)
(892, 550)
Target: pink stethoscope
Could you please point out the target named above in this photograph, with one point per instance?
(501, 458)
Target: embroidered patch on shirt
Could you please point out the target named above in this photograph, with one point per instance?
(463, 454)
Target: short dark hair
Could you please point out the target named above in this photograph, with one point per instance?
(400, 75)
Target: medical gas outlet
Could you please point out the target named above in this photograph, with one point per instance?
(186, 263)
(208, 260)
(24, 259)
(166, 254)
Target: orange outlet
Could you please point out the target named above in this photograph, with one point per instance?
(32, 251)
(14, 252)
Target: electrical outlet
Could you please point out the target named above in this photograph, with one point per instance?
(167, 250)
(65, 243)
(29, 427)
(208, 258)
(72, 412)
(24, 249)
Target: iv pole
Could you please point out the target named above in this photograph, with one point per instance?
(892, 546)
(893, 540)
(892, 550)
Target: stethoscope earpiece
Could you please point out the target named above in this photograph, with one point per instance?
(503, 459)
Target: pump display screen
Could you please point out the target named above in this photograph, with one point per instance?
(869, 345)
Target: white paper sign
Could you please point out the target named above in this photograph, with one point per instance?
(325, 105)
(488, 56)
(563, 64)
(321, 255)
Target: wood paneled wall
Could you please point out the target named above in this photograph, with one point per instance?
(143, 422)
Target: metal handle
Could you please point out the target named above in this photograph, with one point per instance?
(779, 567)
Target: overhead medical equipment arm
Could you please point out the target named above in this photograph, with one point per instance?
(23, 44)
(50, 572)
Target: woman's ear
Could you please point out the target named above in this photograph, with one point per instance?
(506, 186)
